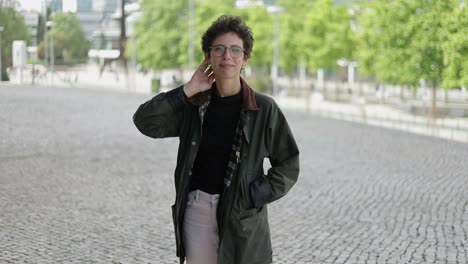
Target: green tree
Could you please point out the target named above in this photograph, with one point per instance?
(70, 43)
(294, 33)
(402, 40)
(384, 38)
(161, 34)
(163, 30)
(14, 28)
(261, 59)
(455, 48)
(261, 23)
(329, 35)
(316, 35)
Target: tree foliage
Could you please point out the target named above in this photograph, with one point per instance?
(327, 35)
(70, 43)
(403, 42)
(261, 23)
(398, 41)
(294, 34)
(163, 30)
(14, 28)
(161, 34)
(384, 39)
(455, 48)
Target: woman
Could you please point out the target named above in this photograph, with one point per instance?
(225, 130)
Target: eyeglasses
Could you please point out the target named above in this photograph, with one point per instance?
(219, 50)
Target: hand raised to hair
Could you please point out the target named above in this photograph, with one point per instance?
(201, 80)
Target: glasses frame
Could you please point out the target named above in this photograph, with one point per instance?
(227, 48)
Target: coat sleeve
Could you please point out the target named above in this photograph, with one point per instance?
(284, 159)
(162, 115)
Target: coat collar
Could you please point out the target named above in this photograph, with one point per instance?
(248, 97)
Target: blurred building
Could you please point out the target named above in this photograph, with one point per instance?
(92, 14)
(252, 3)
(84, 6)
(55, 5)
(105, 40)
(90, 21)
(31, 19)
(106, 6)
(103, 6)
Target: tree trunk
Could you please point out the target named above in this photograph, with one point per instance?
(337, 90)
(360, 88)
(321, 82)
(122, 44)
(433, 108)
(382, 98)
(402, 93)
(123, 37)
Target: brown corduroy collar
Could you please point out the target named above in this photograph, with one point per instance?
(248, 97)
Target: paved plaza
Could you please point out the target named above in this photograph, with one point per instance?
(80, 184)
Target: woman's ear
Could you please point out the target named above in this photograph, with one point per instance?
(207, 55)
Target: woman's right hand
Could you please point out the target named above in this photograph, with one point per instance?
(201, 80)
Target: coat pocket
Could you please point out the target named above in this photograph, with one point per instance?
(254, 235)
(260, 191)
(253, 219)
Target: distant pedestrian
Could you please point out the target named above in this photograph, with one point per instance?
(225, 132)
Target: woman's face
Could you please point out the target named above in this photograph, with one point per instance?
(227, 56)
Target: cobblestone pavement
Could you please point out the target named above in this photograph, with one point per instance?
(79, 184)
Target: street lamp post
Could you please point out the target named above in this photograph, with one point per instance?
(46, 45)
(132, 19)
(49, 25)
(275, 10)
(1, 75)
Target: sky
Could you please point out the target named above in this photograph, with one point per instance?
(68, 5)
(31, 4)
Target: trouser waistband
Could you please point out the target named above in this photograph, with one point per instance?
(199, 195)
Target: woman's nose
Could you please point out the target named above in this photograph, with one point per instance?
(227, 54)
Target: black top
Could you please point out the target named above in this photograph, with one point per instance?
(219, 128)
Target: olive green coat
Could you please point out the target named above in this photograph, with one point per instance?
(244, 233)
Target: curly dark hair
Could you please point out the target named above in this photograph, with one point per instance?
(226, 24)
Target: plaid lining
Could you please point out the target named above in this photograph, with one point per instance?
(202, 110)
(203, 100)
(234, 159)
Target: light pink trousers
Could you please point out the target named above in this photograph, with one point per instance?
(200, 229)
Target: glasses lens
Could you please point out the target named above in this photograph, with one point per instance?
(236, 51)
(218, 50)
